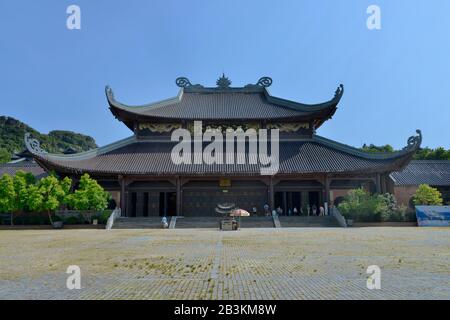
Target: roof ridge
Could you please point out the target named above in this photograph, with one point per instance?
(368, 155)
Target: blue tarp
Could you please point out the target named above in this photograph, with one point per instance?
(433, 216)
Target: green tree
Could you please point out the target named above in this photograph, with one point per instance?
(5, 156)
(432, 154)
(426, 195)
(54, 193)
(89, 195)
(7, 195)
(373, 148)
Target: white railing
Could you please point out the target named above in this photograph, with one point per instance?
(338, 216)
(115, 214)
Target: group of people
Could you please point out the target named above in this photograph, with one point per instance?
(307, 211)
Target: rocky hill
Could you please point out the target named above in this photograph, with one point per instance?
(12, 132)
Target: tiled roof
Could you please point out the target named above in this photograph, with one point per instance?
(314, 155)
(27, 166)
(219, 104)
(222, 106)
(432, 172)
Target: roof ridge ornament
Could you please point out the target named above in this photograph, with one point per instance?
(223, 82)
(339, 91)
(414, 141)
(183, 82)
(264, 82)
(33, 145)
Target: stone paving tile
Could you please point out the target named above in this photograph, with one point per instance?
(295, 263)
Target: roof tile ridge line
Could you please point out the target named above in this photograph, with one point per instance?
(391, 175)
(430, 161)
(355, 151)
(152, 105)
(309, 107)
(90, 153)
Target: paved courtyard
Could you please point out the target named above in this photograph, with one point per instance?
(207, 264)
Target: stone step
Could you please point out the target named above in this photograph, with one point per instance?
(257, 222)
(137, 223)
(305, 222)
(197, 222)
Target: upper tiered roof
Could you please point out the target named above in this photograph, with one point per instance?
(251, 102)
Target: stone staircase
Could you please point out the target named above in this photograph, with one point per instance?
(308, 222)
(138, 223)
(257, 222)
(197, 222)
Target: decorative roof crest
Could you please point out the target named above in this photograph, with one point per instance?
(223, 82)
(33, 145)
(414, 141)
(339, 91)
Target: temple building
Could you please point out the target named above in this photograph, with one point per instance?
(144, 180)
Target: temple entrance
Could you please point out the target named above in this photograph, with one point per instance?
(167, 204)
(200, 198)
(151, 199)
(287, 201)
(313, 197)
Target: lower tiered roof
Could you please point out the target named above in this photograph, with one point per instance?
(313, 155)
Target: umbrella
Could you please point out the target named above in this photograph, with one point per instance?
(239, 213)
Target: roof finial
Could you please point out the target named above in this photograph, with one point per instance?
(223, 82)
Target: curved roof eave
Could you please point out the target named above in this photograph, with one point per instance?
(134, 111)
(413, 144)
(399, 158)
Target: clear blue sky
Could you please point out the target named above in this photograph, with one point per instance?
(396, 79)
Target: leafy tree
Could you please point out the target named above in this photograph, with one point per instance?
(5, 156)
(34, 198)
(7, 195)
(426, 195)
(89, 195)
(373, 148)
(432, 154)
(53, 192)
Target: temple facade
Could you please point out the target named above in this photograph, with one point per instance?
(145, 181)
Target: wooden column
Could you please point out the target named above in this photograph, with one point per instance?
(179, 197)
(122, 195)
(326, 197)
(271, 195)
(378, 183)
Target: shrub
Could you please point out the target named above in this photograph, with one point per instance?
(103, 216)
(426, 195)
(360, 205)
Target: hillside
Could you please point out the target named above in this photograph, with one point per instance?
(12, 132)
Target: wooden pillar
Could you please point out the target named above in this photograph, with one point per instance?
(139, 204)
(122, 196)
(378, 183)
(383, 183)
(327, 183)
(285, 205)
(179, 197)
(165, 204)
(271, 195)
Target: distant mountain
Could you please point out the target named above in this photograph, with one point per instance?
(12, 132)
